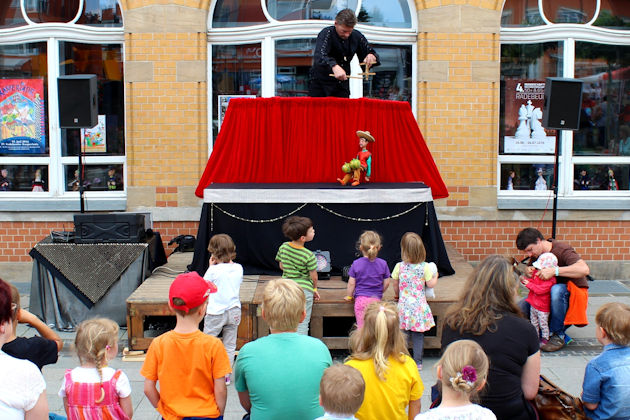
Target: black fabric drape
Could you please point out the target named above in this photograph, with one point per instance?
(257, 243)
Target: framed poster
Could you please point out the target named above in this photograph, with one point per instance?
(524, 102)
(22, 116)
(224, 101)
(94, 140)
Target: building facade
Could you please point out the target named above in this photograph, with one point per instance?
(472, 71)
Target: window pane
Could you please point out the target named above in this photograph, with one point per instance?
(569, 11)
(101, 13)
(23, 178)
(95, 178)
(231, 13)
(521, 13)
(391, 14)
(314, 9)
(25, 82)
(614, 14)
(601, 177)
(235, 71)
(106, 62)
(524, 68)
(11, 14)
(605, 117)
(294, 58)
(51, 11)
(392, 80)
(526, 176)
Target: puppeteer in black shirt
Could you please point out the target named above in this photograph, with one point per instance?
(331, 50)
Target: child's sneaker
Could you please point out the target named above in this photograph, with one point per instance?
(543, 341)
(567, 340)
(228, 379)
(419, 367)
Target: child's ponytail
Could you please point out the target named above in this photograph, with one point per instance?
(370, 244)
(380, 338)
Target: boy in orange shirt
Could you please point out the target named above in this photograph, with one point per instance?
(190, 365)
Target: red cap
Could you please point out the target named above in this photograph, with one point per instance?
(192, 289)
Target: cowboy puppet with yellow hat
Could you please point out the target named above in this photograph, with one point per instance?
(362, 163)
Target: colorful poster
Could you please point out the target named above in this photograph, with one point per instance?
(524, 102)
(22, 116)
(94, 139)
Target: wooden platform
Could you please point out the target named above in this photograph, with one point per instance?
(150, 299)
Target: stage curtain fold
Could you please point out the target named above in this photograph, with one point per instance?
(306, 140)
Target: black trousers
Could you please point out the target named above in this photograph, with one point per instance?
(332, 87)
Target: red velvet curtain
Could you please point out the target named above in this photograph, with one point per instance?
(306, 140)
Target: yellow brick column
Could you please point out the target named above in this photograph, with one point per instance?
(166, 100)
(458, 94)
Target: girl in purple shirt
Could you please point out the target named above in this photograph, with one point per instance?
(369, 275)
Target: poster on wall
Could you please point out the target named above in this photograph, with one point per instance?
(524, 133)
(94, 140)
(22, 116)
(224, 101)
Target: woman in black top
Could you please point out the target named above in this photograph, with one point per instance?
(487, 313)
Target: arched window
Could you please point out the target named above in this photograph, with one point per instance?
(265, 48)
(38, 158)
(589, 41)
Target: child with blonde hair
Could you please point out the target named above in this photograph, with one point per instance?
(379, 352)
(369, 275)
(341, 392)
(607, 377)
(413, 276)
(539, 297)
(462, 371)
(94, 390)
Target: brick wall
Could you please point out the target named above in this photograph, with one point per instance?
(17, 238)
(593, 240)
(458, 86)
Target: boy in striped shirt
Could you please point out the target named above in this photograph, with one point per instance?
(298, 263)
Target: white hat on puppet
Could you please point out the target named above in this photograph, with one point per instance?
(366, 135)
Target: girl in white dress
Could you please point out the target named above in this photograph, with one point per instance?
(463, 370)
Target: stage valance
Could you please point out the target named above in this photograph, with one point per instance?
(306, 140)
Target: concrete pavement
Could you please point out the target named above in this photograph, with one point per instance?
(565, 367)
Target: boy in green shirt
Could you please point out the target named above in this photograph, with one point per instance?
(298, 263)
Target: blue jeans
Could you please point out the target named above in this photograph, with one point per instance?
(303, 326)
(417, 341)
(559, 306)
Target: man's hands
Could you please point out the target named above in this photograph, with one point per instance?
(340, 74)
(370, 59)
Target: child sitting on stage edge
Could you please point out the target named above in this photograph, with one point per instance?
(607, 377)
(190, 365)
(298, 263)
(341, 392)
(224, 309)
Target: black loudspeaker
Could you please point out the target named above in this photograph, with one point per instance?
(563, 101)
(77, 101)
(111, 227)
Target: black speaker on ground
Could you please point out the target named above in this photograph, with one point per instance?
(563, 102)
(77, 101)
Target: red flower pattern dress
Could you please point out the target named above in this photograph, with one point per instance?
(413, 309)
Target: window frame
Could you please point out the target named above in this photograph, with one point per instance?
(568, 198)
(268, 33)
(57, 198)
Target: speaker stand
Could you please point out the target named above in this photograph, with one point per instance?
(555, 186)
(77, 133)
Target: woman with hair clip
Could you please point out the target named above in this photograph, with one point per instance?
(486, 312)
(379, 352)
